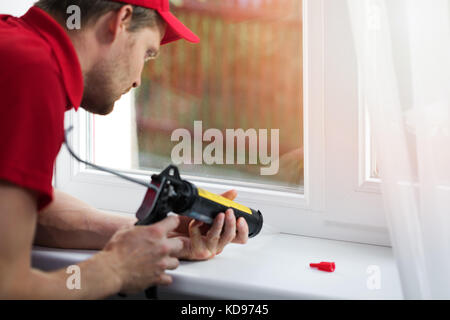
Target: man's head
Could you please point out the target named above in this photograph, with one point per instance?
(114, 42)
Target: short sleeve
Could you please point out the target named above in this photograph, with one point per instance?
(32, 109)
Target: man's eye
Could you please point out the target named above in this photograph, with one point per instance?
(151, 55)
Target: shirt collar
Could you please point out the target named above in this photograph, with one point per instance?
(64, 51)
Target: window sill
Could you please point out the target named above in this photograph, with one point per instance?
(270, 266)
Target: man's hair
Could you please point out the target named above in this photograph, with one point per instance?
(91, 10)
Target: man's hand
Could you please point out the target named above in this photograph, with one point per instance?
(203, 242)
(140, 255)
(134, 259)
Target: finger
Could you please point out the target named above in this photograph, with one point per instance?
(195, 234)
(242, 231)
(230, 230)
(168, 224)
(197, 223)
(171, 263)
(164, 280)
(175, 245)
(231, 194)
(213, 235)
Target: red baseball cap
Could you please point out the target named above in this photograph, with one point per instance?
(175, 29)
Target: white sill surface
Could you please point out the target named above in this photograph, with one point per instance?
(270, 266)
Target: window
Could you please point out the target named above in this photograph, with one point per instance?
(262, 65)
(15, 8)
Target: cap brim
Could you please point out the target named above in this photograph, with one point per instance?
(176, 30)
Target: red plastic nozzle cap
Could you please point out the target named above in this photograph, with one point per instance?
(324, 266)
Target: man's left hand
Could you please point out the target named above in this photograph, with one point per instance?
(204, 242)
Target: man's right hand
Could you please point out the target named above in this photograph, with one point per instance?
(134, 258)
(140, 255)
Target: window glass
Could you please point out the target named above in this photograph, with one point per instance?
(230, 107)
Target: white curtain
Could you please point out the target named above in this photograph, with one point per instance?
(403, 50)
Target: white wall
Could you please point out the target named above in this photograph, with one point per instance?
(16, 8)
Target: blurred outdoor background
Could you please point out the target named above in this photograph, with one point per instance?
(245, 73)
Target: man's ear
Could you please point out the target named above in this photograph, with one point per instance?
(120, 21)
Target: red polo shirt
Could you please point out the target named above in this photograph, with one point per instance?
(40, 78)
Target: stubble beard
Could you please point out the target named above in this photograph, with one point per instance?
(98, 96)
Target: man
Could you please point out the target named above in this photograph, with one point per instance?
(47, 69)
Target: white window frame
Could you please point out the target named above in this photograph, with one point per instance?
(340, 201)
(15, 8)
